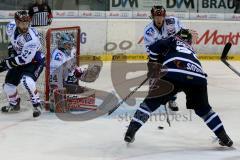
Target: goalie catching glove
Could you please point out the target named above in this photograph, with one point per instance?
(90, 74)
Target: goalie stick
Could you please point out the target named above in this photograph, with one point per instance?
(224, 58)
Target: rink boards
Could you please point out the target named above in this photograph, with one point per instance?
(106, 38)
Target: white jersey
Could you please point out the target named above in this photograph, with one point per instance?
(62, 66)
(26, 45)
(171, 25)
(59, 57)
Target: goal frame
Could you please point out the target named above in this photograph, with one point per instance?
(48, 55)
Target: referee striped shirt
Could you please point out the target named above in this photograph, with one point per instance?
(40, 19)
(41, 14)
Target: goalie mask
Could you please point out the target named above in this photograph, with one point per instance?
(22, 20)
(66, 42)
(185, 35)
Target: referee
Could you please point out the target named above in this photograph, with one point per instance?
(40, 14)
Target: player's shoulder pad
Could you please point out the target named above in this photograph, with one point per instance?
(27, 37)
(171, 20)
(10, 28)
(35, 36)
(149, 29)
(57, 55)
(150, 25)
(34, 32)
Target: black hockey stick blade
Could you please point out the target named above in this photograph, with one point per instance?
(225, 51)
(224, 58)
(231, 67)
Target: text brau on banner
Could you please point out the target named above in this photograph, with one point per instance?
(191, 4)
(218, 4)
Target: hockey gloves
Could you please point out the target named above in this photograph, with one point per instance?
(3, 66)
(90, 74)
(8, 63)
(154, 69)
(11, 51)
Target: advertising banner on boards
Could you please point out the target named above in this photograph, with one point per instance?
(125, 36)
(213, 6)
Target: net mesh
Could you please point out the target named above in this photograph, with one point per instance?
(51, 40)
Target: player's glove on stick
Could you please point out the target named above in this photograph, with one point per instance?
(11, 51)
(154, 69)
(7, 63)
(3, 66)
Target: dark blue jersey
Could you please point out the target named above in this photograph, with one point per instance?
(180, 59)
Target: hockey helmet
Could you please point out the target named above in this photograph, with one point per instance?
(65, 41)
(158, 11)
(22, 16)
(185, 35)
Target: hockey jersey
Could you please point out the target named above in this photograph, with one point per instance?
(62, 67)
(59, 57)
(171, 25)
(180, 60)
(27, 45)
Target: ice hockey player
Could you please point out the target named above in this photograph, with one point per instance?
(185, 73)
(161, 27)
(64, 72)
(24, 64)
(65, 54)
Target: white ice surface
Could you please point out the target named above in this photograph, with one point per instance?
(48, 138)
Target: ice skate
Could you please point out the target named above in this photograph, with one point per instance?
(224, 139)
(12, 108)
(130, 135)
(37, 108)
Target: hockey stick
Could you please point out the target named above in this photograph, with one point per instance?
(224, 58)
(129, 95)
(168, 121)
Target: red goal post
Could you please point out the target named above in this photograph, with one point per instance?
(49, 42)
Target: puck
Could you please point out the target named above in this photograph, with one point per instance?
(160, 127)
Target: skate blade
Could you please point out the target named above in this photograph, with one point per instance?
(14, 112)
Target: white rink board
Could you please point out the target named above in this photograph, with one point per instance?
(96, 33)
(213, 34)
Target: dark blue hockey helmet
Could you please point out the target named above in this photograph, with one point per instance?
(185, 35)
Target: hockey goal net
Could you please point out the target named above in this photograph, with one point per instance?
(73, 100)
(50, 40)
